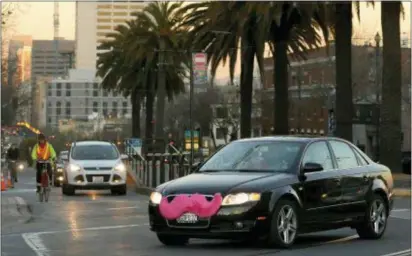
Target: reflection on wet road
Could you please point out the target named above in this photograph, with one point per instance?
(97, 223)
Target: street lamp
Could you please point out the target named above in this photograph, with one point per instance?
(378, 89)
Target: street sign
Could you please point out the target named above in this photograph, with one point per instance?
(136, 144)
(199, 65)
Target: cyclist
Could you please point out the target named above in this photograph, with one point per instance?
(42, 151)
(12, 158)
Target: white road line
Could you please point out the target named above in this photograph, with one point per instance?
(340, 240)
(399, 253)
(34, 241)
(400, 210)
(121, 208)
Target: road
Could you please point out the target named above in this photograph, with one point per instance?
(96, 223)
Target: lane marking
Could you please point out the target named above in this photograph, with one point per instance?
(121, 208)
(34, 241)
(399, 253)
(340, 240)
(400, 210)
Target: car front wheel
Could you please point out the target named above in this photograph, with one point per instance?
(374, 223)
(284, 224)
(67, 190)
(172, 240)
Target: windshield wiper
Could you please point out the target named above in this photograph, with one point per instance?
(210, 170)
(254, 170)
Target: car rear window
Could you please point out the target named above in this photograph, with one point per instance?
(94, 152)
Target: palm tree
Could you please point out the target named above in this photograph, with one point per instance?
(117, 75)
(158, 39)
(390, 135)
(218, 29)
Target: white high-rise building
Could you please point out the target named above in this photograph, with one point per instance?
(93, 21)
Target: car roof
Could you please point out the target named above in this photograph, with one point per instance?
(91, 142)
(293, 138)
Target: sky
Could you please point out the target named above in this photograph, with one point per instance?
(36, 19)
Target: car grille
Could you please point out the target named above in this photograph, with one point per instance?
(98, 168)
(106, 177)
(200, 224)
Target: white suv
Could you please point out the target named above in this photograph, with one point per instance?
(94, 165)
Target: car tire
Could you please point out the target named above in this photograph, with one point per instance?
(172, 240)
(68, 190)
(56, 183)
(375, 220)
(284, 224)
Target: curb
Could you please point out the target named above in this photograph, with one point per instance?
(24, 209)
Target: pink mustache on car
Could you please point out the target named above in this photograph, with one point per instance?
(196, 204)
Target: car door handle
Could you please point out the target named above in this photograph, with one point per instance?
(337, 181)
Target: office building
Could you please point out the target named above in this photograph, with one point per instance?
(80, 96)
(19, 60)
(93, 21)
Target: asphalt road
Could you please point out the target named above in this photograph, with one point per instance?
(96, 223)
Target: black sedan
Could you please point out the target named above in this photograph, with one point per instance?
(275, 188)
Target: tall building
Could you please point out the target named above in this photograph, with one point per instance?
(80, 96)
(44, 58)
(19, 60)
(93, 21)
(46, 64)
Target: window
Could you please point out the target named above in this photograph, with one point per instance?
(49, 120)
(49, 91)
(124, 108)
(221, 112)
(361, 156)
(68, 109)
(95, 90)
(105, 93)
(58, 89)
(345, 157)
(95, 152)
(104, 27)
(114, 108)
(104, 20)
(255, 156)
(221, 132)
(318, 153)
(114, 94)
(58, 108)
(95, 107)
(68, 89)
(104, 108)
(103, 13)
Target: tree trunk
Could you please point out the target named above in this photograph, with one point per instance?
(281, 92)
(246, 88)
(136, 106)
(161, 95)
(343, 53)
(390, 131)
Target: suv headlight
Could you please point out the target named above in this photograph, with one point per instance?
(240, 198)
(74, 167)
(155, 197)
(120, 167)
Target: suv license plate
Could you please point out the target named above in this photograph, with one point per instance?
(98, 179)
(187, 218)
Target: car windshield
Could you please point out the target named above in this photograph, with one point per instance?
(94, 152)
(255, 156)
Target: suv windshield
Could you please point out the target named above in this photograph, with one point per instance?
(255, 156)
(94, 152)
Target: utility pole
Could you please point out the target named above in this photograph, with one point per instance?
(191, 84)
(299, 82)
(378, 90)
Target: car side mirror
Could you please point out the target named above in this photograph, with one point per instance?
(195, 166)
(312, 167)
(124, 157)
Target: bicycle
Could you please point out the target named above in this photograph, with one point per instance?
(44, 192)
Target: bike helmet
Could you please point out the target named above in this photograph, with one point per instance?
(41, 136)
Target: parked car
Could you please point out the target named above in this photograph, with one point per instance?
(94, 165)
(58, 176)
(406, 162)
(275, 188)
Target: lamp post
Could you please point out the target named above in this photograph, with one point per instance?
(378, 89)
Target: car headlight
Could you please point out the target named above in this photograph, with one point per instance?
(240, 198)
(21, 167)
(155, 197)
(120, 167)
(74, 167)
(59, 169)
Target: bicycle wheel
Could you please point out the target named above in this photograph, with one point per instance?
(41, 193)
(46, 194)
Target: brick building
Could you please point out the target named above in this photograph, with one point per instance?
(311, 90)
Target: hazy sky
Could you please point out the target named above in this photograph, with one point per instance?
(36, 19)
